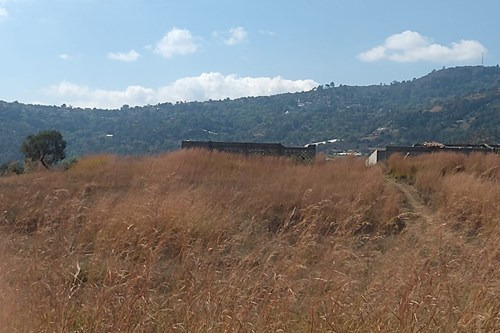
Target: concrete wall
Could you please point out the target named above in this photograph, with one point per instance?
(250, 148)
(384, 154)
(376, 156)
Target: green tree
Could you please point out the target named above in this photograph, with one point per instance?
(46, 146)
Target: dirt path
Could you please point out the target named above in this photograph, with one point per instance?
(414, 207)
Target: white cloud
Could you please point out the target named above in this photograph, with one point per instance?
(218, 86)
(64, 56)
(231, 37)
(236, 36)
(410, 46)
(176, 42)
(200, 88)
(69, 89)
(268, 33)
(3, 13)
(84, 96)
(130, 56)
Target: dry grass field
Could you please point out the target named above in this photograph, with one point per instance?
(195, 241)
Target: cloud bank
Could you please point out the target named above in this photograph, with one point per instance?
(130, 56)
(198, 88)
(176, 42)
(410, 46)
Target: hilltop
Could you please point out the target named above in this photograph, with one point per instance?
(453, 105)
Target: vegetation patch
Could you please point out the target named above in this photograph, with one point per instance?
(197, 241)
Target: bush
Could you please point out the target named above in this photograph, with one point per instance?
(68, 163)
(12, 167)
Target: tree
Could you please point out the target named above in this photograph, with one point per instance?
(46, 147)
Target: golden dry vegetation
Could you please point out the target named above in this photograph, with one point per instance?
(195, 241)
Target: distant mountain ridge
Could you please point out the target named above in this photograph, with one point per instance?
(460, 104)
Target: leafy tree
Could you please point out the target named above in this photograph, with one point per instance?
(46, 146)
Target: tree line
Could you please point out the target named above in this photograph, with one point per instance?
(451, 105)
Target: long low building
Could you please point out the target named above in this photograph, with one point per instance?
(250, 148)
(383, 154)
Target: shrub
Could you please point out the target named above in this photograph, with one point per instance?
(12, 167)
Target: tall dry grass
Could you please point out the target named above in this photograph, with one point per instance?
(464, 189)
(207, 242)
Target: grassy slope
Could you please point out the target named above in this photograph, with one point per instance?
(196, 241)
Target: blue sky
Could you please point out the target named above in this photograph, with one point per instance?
(106, 53)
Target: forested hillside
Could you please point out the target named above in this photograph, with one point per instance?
(453, 105)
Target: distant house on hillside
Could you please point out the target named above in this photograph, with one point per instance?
(383, 154)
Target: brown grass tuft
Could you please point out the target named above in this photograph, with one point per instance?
(464, 189)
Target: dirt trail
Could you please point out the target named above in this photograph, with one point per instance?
(415, 206)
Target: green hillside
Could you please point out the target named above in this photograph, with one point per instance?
(451, 105)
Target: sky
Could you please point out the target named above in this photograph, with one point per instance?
(107, 53)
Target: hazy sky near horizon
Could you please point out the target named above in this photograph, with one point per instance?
(106, 53)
